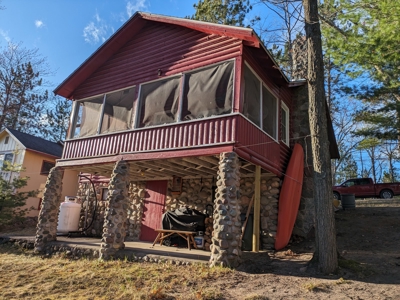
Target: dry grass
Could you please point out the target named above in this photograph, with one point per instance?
(24, 276)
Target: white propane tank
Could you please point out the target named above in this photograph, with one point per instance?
(68, 219)
(199, 240)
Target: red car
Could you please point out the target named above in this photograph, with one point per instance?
(365, 187)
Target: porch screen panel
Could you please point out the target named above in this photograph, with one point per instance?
(269, 111)
(251, 105)
(118, 111)
(159, 102)
(88, 116)
(208, 92)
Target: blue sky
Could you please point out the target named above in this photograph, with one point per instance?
(69, 31)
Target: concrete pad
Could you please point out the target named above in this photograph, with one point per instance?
(139, 249)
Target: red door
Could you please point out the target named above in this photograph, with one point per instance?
(153, 209)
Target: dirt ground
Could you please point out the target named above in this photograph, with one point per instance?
(368, 240)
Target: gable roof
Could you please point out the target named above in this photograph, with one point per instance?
(134, 25)
(36, 144)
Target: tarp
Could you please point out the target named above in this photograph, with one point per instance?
(184, 219)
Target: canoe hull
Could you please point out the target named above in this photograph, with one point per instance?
(289, 199)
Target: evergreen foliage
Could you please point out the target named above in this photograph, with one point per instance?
(22, 96)
(58, 119)
(361, 36)
(11, 199)
(226, 12)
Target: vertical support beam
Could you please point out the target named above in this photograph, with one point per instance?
(115, 216)
(225, 248)
(48, 216)
(238, 91)
(256, 219)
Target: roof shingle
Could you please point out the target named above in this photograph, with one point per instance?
(37, 144)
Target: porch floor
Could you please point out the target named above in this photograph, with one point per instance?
(140, 249)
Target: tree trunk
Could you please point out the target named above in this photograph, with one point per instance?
(326, 252)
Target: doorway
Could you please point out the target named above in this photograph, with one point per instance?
(153, 209)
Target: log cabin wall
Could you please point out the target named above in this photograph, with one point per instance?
(280, 89)
(170, 49)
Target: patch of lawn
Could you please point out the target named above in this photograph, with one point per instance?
(26, 276)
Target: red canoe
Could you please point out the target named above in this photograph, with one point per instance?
(289, 199)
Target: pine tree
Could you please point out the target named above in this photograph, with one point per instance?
(11, 200)
(22, 96)
(226, 12)
(361, 35)
(326, 251)
(57, 119)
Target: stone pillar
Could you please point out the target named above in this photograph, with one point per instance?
(48, 215)
(137, 193)
(115, 216)
(301, 134)
(225, 248)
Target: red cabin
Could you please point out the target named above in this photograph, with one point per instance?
(186, 107)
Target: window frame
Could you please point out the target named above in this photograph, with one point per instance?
(4, 159)
(139, 104)
(285, 108)
(135, 118)
(75, 111)
(278, 101)
(42, 167)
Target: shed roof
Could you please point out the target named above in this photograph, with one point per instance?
(36, 144)
(134, 25)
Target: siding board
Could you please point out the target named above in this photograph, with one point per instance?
(171, 48)
(228, 129)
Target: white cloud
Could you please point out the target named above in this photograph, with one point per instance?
(97, 17)
(133, 6)
(5, 36)
(96, 31)
(39, 23)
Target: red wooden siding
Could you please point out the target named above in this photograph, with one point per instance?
(197, 133)
(154, 203)
(172, 49)
(256, 143)
(250, 141)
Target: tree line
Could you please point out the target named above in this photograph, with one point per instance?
(26, 104)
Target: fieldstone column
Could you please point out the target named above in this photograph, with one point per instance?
(48, 216)
(115, 216)
(301, 134)
(225, 248)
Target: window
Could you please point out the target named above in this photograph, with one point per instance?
(87, 117)
(6, 140)
(208, 92)
(260, 105)
(6, 160)
(269, 109)
(199, 93)
(46, 167)
(117, 113)
(112, 112)
(159, 101)
(252, 86)
(285, 123)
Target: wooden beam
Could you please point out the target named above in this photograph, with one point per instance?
(181, 171)
(186, 164)
(211, 159)
(201, 163)
(257, 200)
